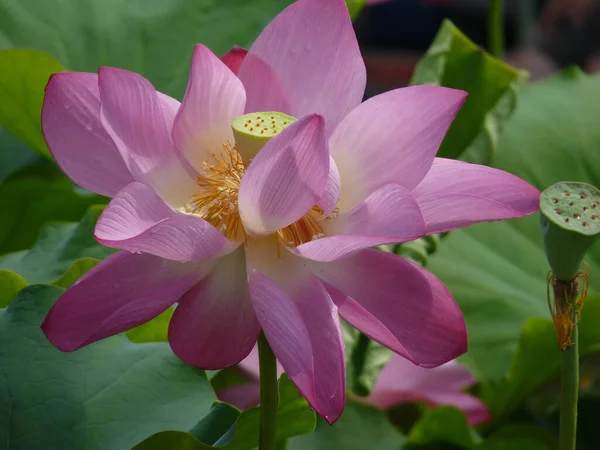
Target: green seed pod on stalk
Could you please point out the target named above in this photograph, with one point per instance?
(570, 218)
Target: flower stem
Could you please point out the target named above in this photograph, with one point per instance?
(569, 390)
(496, 28)
(269, 395)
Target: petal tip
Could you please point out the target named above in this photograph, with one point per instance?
(54, 78)
(234, 58)
(200, 48)
(330, 408)
(107, 70)
(451, 95)
(317, 122)
(314, 119)
(458, 96)
(459, 349)
(332, 416)
(236, 50)
(107, 73)
(56, 337)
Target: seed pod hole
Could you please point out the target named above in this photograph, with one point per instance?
(569, 204)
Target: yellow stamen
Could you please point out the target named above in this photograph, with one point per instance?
(307, 229)
(217, 201)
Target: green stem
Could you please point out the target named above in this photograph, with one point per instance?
(269, 395)
(525, 15)
(569, 391)
(496, 28)
(358, 358)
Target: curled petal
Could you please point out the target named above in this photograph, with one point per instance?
(392, 139)
(214, 325)
(455, 194)
(123, 291)
(331, 194)
(389, 215)
(139, 120)
(397, 303)
(75, 136)
(138, 220)
(320, 66)
(213, 99)
(286, 179)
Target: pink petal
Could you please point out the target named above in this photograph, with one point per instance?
(286, 179)
(401, 381)
(75, 136)
(401, 375)
(397, 303)
(250, 365)
(242, 397)
(169, 107)
(455, 194)
(475, 410)
(213, 99)
(234, 58)
(138, 220)
(447, 377)
(312, 48)
(214, 325)
(389, 215)
(392, 139)
(303, 330)
(123, 291)
(139, 121)
(265, 90)
(331, 194)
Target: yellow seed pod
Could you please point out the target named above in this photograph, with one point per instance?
(252, 131)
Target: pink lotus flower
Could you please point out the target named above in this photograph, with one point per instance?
(249, 233)
(399, 382)
(402, 382)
